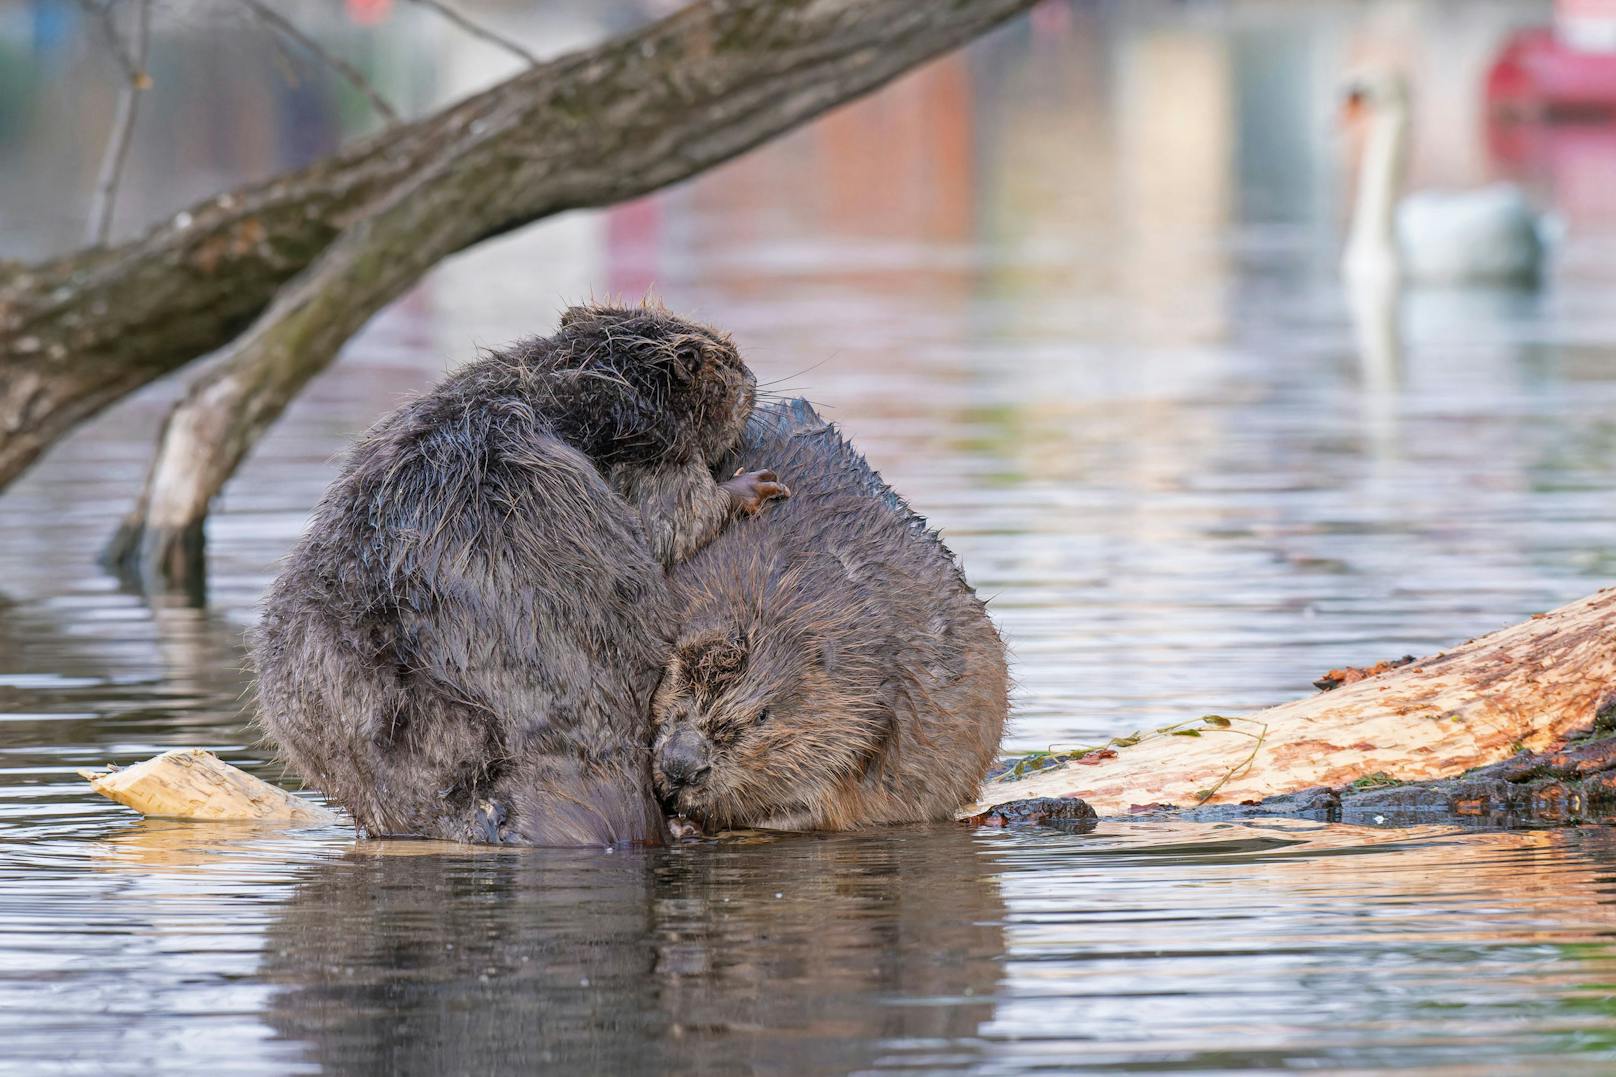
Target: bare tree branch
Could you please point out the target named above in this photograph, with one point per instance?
(477, 30)
(107, 22)
(136, 81)
(355, 78)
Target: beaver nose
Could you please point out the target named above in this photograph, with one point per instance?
(684, 758)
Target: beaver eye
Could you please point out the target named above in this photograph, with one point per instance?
(762, 716)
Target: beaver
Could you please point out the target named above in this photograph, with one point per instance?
(465, 642)
(833, 669)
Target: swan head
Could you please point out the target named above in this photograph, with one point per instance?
(1374, 91)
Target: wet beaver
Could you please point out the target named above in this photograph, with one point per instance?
(465, 643)
(833, 669)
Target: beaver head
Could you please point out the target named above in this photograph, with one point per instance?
(688, 373)
(763, 712)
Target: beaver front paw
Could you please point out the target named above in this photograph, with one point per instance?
(488, 823)
(683, 829)
(751, 490)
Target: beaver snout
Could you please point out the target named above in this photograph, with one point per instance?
(684, 758)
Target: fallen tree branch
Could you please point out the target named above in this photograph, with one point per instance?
(1524, 688)
(590, 129)
(210, 431)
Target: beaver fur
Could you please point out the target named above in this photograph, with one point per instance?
(833, 669)
(465, 642)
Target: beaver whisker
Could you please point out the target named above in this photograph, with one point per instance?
(805, 370)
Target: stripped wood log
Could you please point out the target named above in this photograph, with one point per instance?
(1521, 688)
(189, 783)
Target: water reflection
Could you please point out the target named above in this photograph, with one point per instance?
(1145, 947)
(821, 954)
(1414, 951)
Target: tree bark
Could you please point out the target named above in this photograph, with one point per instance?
(1524, 688)
(635, 114)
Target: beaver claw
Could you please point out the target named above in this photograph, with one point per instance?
(753, 489)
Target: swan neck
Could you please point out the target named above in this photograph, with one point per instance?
(1380, 181)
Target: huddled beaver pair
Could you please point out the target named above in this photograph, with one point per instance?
(527, 593)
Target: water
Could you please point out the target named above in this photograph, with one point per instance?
(1139, 948)
(1073, 292)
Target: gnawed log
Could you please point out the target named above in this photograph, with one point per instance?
(189, 783)
(1523, 688)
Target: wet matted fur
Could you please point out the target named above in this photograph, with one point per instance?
(833, 669)
(465, 643)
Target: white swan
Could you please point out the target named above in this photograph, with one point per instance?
(1492, 234)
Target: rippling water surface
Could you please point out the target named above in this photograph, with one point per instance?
(1073, 292)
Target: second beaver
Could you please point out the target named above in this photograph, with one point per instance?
(833, 669)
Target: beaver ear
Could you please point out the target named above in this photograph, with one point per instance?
(688, 652)
(687, 356)
(712, 660)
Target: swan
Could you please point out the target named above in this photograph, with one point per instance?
(1491, 234)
